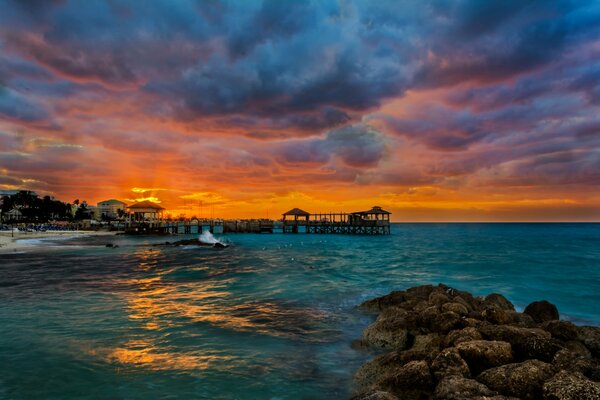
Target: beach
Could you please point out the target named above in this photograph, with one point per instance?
(15, 242)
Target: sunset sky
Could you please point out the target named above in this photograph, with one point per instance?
(436, 110)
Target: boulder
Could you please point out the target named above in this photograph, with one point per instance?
(387, 365)
(524, 380)
(483, 354)
(496, 300)
(456, 307)
(527, 343)
(462, 335)
(573, 361)
(498, 316)
(562, 330)
(448, 321)
(380, 303)
(428, 342)
(389, 331)
(542, 311)
(570, 386)
(459, 388)
(449, 363)
(590, 336)
(413, 375)
(376, 395)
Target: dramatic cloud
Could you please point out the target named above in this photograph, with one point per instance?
(441, 103)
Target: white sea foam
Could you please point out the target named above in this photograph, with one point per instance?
(207, 237)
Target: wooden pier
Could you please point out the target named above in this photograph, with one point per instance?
(375, 221)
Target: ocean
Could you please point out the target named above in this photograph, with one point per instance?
(271, 317)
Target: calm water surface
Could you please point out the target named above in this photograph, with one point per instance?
(271, 317)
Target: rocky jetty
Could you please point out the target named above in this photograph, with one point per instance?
(442, 343)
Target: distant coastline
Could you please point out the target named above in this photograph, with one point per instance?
(10, 242)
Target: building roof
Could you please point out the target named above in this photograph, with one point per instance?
(111, 201)
(374, 210)
(145, 204)
(297, 212)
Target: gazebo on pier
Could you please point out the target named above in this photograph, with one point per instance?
(293, 218)
(375, 221)
(145, 210)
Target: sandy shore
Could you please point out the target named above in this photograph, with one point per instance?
(10, 243)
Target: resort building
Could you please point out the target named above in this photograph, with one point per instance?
(145, 210)
(111, 209)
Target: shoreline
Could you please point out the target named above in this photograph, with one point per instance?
(10, 243)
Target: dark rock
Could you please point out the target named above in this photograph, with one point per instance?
(498, 316)
(447, 321)
(563, 330)
(542, 311)
(448, 363)
(413, 375)
(109, 245)
(524, 380)
(428, 342)
(496, 300)
(387, 333)
(527, 343)
(437, 298)
(383, 302)
(576, 362)
(483, 354)
(570, 386)
(462, 335)
(387, 365)
(590, 336)
(421, 292)
(456, 307)
(377, 395)
(459, 388)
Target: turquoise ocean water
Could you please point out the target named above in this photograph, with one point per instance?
(271, 317)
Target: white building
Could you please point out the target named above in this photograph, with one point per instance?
(110, 208)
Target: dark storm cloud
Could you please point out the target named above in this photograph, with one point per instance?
(356, 145)
(268, 58)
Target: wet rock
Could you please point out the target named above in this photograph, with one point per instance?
(498, 316)
(542, 311)
(389, 331)
(456, 307)
(590, 336)
(496, 300)
(527, 343)
(386, 334)
(449, 363)
(459, 388)
(462, 335)
(413, 375)
(483, 354)
(524, 380)
(570, 386)
(421, 292)
(576, 362)
(445, 322)
(381, 303)
(428, 342)
(437, 298)
(387, 365)
(563, 330)
(377, 395)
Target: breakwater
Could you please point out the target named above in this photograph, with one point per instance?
(443, 343)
